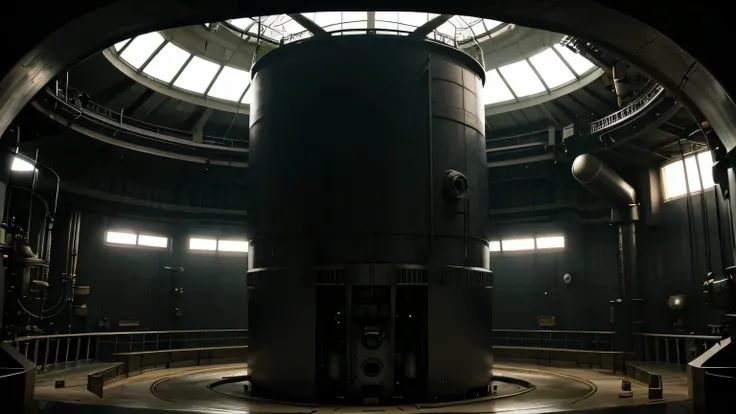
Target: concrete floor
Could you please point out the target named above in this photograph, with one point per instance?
(557, 389)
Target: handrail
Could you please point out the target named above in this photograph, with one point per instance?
(110, 122)
(555, 331)
(65, 349)
(681, 336)
(61, 336)
(629, 111)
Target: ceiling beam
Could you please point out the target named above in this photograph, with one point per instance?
(308, 24)
(198, 130)
(139, 101)
(422, 31)
(525, 160)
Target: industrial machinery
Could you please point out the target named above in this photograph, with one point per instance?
(601, 180)
(369, 276)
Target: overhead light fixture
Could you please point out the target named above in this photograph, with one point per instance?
(21, 165)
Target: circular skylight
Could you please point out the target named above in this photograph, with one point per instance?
(457, 31)
(164, 62)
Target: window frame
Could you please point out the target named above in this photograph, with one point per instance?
(137, 236)
(684, 168)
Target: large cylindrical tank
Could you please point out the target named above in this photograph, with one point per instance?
(369, 198)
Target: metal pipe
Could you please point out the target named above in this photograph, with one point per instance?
(689, 208)
(704, 212)
(431, 155)
(616, 85)
(603, 181)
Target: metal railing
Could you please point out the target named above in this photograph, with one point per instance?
(672, 348)
(96, 382)
(119, 119)
(70, 349)
(561, 339)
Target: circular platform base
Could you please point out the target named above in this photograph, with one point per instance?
(523, 387)
(518, 388)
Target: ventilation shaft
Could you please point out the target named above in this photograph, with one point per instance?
(602, 181)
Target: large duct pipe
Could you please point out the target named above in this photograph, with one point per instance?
(603, 181)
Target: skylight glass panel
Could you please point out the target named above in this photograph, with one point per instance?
(292, 27)
(495, 246)
(522, 79)
(551, 242)
(119, 45)
(232, 246)
(491, 24)
(414, 19)
(242, 23)
(447, 29)
(197, 76)
(166, 64)
(325, 18)
(578, 63)
(141, 48)
(386, 25)
(392, 17)
(551, 68)
(461, 22)
(478, 28)
(230, 84)
(202, 244)
(354, 16)
(495, 89)
(118, 237)
(153, 241)
(355, 25)
(515, 245)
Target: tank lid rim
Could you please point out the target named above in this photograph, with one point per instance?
(466, 59)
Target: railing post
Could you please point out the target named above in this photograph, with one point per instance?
(68, 343)
(35, 352)
(46, 353)
(98, 339)
(89, 343)
(79, 346)
(56, 352)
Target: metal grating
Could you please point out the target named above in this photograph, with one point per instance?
(412, 276)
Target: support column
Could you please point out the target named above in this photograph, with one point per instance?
(6, 160)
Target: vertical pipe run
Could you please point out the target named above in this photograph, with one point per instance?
(689, 213)
(732, 208)
(704, 212)
(431, 164)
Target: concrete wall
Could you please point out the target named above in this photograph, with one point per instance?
(131, 282)
(528, 284)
